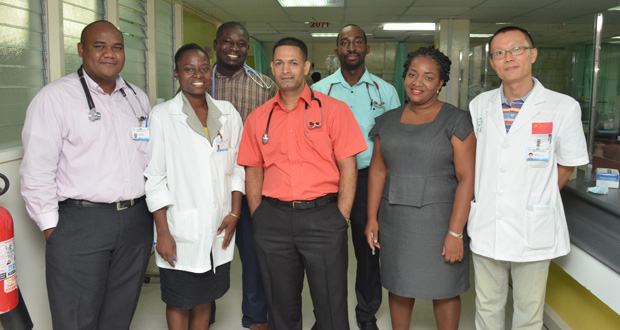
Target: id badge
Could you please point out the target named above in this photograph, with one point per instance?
(221, 143)
(140, 133)
(539, 145)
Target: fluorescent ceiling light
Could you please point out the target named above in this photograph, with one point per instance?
(480, 35)
(614, 8)
(409, 26)
(324, 35)
(311, 3)
(616, 37)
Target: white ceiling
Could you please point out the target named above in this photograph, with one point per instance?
(551, 22)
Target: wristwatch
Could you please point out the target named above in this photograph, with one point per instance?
(459, 236)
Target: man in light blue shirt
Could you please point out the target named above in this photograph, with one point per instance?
(368, 96)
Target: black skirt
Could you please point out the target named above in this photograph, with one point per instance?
(187, 290)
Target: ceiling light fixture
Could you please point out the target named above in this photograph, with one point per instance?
(480, 35)
(614, 8)
(324, 35)
(311, 3)
(409, 26)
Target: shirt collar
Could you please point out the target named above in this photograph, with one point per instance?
(306, 96)
(365, 79)
(214, 124)
(94, 87)
(505, 100)
(234, 75)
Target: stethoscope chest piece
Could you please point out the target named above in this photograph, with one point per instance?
(93, 115)
(265, 138)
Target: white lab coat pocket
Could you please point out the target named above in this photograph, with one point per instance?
(540, 227)
(183, 225)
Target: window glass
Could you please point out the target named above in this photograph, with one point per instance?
(164, 28)
(133, 26)
(21, 64)
(76, 15)
(606, 151)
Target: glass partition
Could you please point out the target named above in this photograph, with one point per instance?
(606, 150)
(567, 67)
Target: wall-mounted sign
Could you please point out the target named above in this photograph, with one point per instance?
(319, 25)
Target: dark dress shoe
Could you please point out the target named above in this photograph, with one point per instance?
(371, 325)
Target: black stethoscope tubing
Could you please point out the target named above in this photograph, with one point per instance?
(310, 125)
(93, 114)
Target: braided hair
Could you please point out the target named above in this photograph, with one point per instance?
(442, 61)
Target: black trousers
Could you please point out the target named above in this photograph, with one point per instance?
(367, 278)
(95, 264)
(289, 242)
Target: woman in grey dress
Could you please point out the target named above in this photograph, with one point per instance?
(420, 185)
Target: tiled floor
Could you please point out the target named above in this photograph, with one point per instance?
(151, 310)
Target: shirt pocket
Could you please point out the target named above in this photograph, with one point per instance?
(183, 225)
(540, 227)
(320, 144)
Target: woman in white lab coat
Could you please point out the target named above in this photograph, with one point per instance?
(194, 188)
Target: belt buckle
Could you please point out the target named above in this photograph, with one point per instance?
(293, 202)
(123, 205)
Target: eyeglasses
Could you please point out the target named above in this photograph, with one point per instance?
(519, 50)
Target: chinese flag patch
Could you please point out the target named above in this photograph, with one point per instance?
(542, 128)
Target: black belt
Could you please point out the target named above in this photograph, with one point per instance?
(119, 206)
(304, 205)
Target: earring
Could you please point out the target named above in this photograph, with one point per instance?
(438, 91)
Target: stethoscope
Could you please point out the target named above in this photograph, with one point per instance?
(95, 115)
(248, 72)
(310, 125)
(372, 102)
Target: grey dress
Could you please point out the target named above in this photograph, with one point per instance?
(417, 204)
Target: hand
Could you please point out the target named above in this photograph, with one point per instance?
(229, 224)
(167, 248)
(372, 234)
(48, 232)
(452, 249)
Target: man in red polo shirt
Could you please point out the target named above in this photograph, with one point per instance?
(299, 151)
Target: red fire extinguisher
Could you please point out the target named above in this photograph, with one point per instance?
(8, 272)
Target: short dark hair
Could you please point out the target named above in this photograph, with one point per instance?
(505, 29)
(442, 61)
(290, 41)
(351, 25)
(228, 25)
(184, 49)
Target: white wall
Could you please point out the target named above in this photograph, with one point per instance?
(29, 244)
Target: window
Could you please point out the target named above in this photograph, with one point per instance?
(164, 28)
(22, 68)
(133, 26)
(76, 15)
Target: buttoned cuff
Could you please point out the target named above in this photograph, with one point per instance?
(47, 220)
